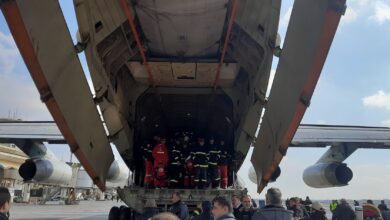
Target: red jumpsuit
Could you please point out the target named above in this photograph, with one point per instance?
(161, 159)
(148, 158)
(223, 166)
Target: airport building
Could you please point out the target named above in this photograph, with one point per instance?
(11, 157)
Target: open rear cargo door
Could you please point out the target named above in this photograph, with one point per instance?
(43, 39)
(312, 27)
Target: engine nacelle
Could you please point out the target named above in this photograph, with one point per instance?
(118, 172)
(253, 177)
(46, 171)
(324, 175)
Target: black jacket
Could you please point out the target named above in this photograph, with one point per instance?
(318, 215)
(181, 210)
(229, 216)
(214, 154)
(201, 156)
(3, 216)
(344, 212)
(246, 214)
(149, 212)
(204, 216)
(236, 211)
(272, 212)
(225, 157)
(147, 152)
(176, 155)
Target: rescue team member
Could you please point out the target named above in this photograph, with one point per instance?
(148, 158)
(175, 164)
(201, 163)
(223, 164)
(214, 156)
(5, 205)
(161, 158)
(187, 160)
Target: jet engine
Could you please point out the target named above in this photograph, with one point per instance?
(46, 171)
(118, 172)
(253, 177)
(322, 175)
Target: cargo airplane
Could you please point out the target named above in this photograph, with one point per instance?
(166, 66)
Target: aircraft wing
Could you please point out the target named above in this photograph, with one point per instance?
(325, 135)
(44, 131)
(307, 135)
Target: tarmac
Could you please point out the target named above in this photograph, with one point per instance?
(86, 210)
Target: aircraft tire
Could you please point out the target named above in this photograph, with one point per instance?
(114, 213)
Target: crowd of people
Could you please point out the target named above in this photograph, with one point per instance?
(220, 208)
(244, 208)
(185, 163)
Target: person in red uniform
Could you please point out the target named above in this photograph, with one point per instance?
(223, 164)
(161, 158)
(148, 159)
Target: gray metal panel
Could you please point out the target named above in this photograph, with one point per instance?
(182, 27)
(62, 70)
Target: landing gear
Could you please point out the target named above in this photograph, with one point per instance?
(120, 213)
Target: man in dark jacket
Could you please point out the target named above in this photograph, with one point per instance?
(5, 205)
(343, 211)
(178, 207)
(247, 209)
(236, 202)
(274, 209)
(222, 209)
(206, 212)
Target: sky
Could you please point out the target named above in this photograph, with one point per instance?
(353, 90)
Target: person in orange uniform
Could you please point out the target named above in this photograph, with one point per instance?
(161, 159)
(223, 164)
(148, 159)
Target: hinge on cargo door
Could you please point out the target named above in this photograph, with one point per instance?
(338, 5)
